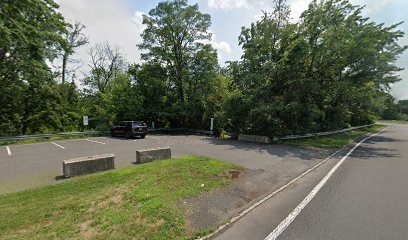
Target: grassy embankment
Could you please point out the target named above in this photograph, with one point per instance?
(392, 122)
(333, 141)
(139, 202)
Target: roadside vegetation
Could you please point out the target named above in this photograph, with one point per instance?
(330, 70)
(333, 141)
(139, 202)
(392, 122)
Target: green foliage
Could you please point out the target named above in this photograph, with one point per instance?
(131, 203)
(31, 100)
(331, 70)
(320, 74)
(176, 44)
(403, 106)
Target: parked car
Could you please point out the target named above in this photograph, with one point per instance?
(129, 129)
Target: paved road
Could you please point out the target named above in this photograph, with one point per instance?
(366, 198)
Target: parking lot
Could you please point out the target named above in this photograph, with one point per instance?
(27, 165)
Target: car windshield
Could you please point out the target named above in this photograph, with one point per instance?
(139, 123)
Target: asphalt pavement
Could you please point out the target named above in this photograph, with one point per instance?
(366, 198)
(28, 165)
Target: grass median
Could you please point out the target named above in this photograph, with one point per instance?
(140, 202)
(333, 141)
(392, 122)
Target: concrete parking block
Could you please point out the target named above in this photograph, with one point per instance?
(86, 165)
(149, 155)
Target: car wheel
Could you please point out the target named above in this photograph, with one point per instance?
(143, 136)
(113, 134)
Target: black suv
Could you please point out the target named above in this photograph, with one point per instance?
(130, 129)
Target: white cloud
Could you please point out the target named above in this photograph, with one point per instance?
(222, 47)
(138, 21)
(105, 20)
(297, 8)
(227, 4)
(374, 6)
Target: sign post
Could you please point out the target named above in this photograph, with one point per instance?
(212, 124)
(85, 121)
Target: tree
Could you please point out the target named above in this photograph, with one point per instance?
(322, 73)
(75, 38)
(106, 63)
(403, 107)
(176, 39)
(172, 35)
(31, 35)
(351, 58)
(150, 86)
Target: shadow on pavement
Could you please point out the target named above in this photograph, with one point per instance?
(368, 150)
(277, 150)
(377, 139)
(364, 152)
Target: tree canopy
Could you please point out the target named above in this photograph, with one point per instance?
(320, 74)
(330, 70)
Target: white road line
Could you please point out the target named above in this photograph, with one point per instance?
(289, 219)
(58, 145)
(269, 196)
(94, 141)
(8, 151)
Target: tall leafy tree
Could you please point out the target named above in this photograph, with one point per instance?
(322, 73)
(176, 39)
(31, 34)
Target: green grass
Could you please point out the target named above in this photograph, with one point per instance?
(34, 140)
(333, 141)
(392, 122)
(139, 202)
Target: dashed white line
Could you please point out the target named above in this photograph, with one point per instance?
(289, 219)
(94, 141)
(8, 151)
(58, 145)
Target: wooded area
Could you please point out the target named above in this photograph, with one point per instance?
(330, 70)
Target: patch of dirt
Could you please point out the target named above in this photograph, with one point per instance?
(115, 197)
(87, 231)
(23, 232)
(211, 209)
(231, 174)
(155, 227)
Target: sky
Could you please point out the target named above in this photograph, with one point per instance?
(120, 23)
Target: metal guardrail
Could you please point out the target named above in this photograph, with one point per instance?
(51, 135)
(180, 131)
(177, 131)
(165, 130)
(322, 133)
